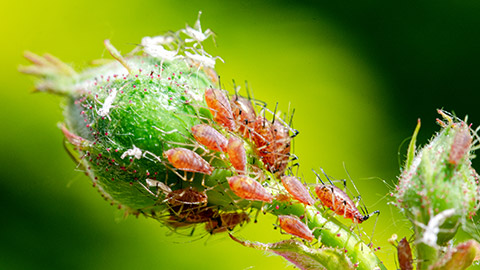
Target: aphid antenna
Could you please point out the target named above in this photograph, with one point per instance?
(250, 97)
(219, 82)
(290, 125)
(359, 197)
(155, 157)
(148, 190)
(291, 171)
(349, 177)
(324, 173)
(275, 113)
(284, 123)
(236, 89)
(318, 177)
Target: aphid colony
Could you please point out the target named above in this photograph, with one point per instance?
(272, 142)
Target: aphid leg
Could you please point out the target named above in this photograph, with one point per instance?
(377, 212)
(148, 190)
(155, 157)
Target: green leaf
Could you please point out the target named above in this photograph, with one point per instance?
(302, 256)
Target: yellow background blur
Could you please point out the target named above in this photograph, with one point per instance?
(358, 75)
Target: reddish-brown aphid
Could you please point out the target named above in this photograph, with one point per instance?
(187, 196)
(297, 190)
(292, 225)
(273, 144)
(339, 202)
(404, 253)
(219, 106)
(187, 160)
(244, 114)
(185, 216)
(210, 137)
(226, 221)
(461, 144)
(237, 155)
(249, 189)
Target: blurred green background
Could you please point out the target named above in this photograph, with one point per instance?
(358, 74)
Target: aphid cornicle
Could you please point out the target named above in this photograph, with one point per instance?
(339, 202)
(249, 189)
(219, 106)
(292, 225)
(210, 137)
(187, 160)
(297, 190)
(237, 155)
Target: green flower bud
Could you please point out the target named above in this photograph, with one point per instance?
(438, 189)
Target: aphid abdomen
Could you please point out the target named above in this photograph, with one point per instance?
(249, 189)
(237, 155)
(461, 144)
(219, 106)
(187, 160)
(297, 190)
(210, 137)
(339, 202)
(292, 225)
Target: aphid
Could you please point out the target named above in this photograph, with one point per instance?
(187, 160)
(219, 106)
(292, 225)
(210, 137)
(186, 196)
(404, 253)
(339, 202)
(226, 221)
(244, 114)
(237, 155)
(249, 189)
(273, 144)
(190, 215)
(461, 144)
(297, 190)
